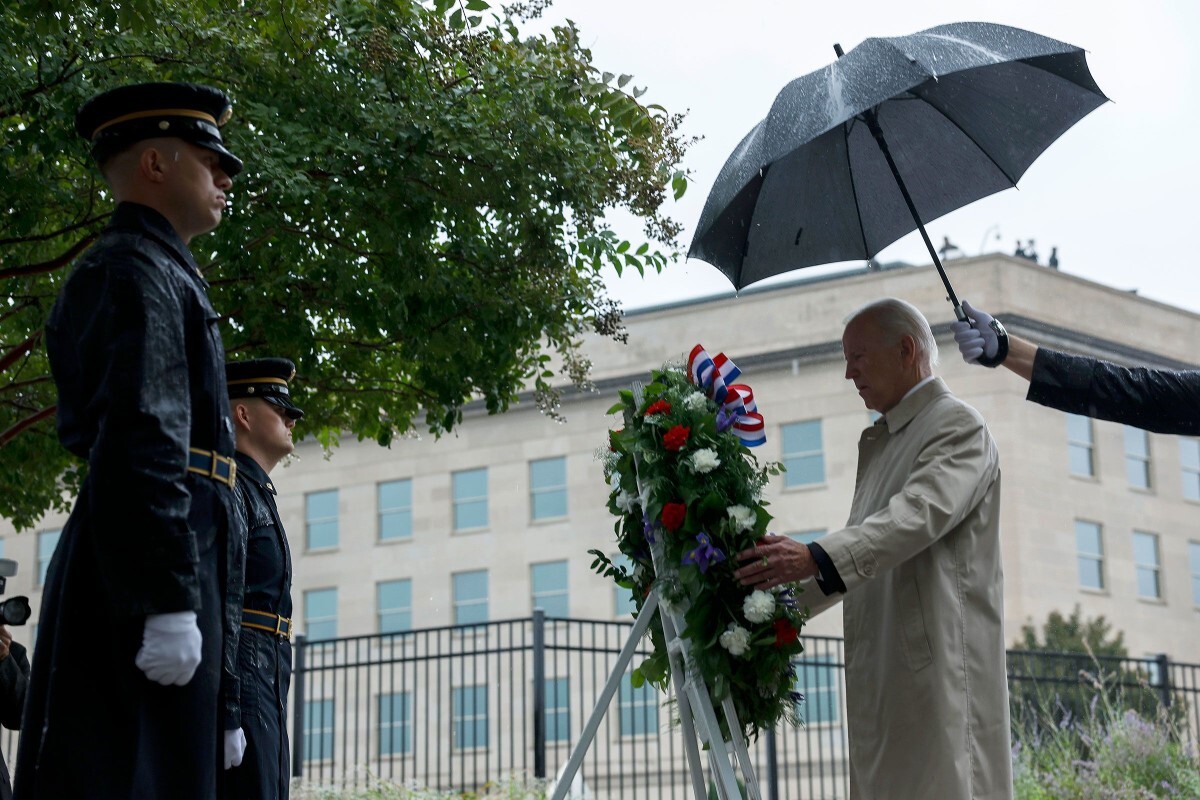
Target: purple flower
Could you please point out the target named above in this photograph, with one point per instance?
(705, 555)
(648, 526)
(725, 419)
(787, 598)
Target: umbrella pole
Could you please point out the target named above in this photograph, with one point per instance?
(877, 132)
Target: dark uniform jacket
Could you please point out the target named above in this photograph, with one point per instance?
(1162, 401)
(14, 677)
(264, 658)
(137, 358)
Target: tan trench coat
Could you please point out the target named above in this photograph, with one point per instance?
(926, 689)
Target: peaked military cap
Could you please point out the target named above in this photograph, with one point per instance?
(114, 120)
(263, 377)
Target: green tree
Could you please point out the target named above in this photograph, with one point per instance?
(420, 224)
(1074, 634)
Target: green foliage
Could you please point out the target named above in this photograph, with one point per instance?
(515, 788)
(667, 490)
(1076, 671)
(1116, 753)
(421, 219)
(1074, 634)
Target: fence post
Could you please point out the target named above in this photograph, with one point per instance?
(298, 707)
(772, 767)
(539, 693)
(1164, 679)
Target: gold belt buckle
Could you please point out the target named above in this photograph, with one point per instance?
(279, 627)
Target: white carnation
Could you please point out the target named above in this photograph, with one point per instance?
(744, 518)
(705, 460)
(625, 501)
(735, 639)
(759, 606)
(695, 401)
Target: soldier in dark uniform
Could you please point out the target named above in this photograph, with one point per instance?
(14, 679)
(263, 416)
(122, 699)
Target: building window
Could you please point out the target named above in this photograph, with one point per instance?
(807, 537)
(638, 708)
(470, 712)
(394, 603)
(1147, 564)
(470, 597)
(395, 510)
(1081, 445)
(623, 604)
(320, 614)
(395, 724)
(1137, 457)
(321, 519)
(549, 582)
(802, 455)
(1194, 559)
(558, 710)
(318, 730)
(548, 488)
(1090, 554)
(47, 541)
(817, 680)
(1189, 462)
(470, 499)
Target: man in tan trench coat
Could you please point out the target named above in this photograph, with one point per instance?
(919, 567)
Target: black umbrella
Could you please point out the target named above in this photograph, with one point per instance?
(894, 134)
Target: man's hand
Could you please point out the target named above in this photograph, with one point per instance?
(235, 747)
(170, 649)
(978, 340)
(773, 561)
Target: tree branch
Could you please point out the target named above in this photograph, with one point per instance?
(16, 353)
(10, 434)
(60, 232)
(54, 263)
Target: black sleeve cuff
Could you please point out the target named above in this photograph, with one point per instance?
(828, 578)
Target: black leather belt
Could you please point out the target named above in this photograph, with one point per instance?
(266, 621)
(210, 465)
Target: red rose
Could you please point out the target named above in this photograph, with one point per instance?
(672, 515)
(676, 438)
(659, 407)
(785, 633)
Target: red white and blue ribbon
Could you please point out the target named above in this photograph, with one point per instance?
(715, 376)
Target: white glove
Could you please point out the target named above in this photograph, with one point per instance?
(980, 340)
(235, 748)
(170, 649)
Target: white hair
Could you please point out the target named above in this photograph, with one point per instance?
(897, 318)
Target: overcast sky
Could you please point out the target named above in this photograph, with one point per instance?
(1116, 194)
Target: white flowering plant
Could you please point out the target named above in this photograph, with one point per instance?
(681, 474)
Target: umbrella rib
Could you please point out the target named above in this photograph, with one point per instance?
(846, 126)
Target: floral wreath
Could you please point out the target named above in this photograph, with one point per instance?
(681, 472)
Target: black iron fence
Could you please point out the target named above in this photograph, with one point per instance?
(458, 707)
(455, 708)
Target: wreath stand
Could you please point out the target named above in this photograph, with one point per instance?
(697, 715)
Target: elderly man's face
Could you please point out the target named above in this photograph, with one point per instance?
(881, 370)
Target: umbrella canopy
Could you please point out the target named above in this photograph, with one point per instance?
(964, 109)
